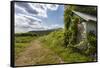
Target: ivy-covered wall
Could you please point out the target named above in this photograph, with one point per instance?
(73, 30)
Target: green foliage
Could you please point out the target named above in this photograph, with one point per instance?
(88, 46)
(70, 29)
(91, 38)
(55, 41)
(68, 14)
(92, 44)
(67, 23)
(87, 9)
(74, 30)
(67, 37)
(55, 37)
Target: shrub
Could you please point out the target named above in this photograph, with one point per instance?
(92, 44)
(55, 41)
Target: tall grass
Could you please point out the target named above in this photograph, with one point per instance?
(55, 41)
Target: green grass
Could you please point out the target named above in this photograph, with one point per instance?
(55, 41)
(21, 39)
(38, 55)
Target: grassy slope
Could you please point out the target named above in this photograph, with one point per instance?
(29, 51)
(55, 41)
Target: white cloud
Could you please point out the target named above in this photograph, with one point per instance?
(26, 16)
(35, 9)
(53, 26)
(52, 6)
(40, 8)
(26, 23)
(19, 9)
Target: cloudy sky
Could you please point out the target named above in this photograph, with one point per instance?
(37, 16)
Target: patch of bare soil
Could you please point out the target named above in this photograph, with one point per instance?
(36, 54)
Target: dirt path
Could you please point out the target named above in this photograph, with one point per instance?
(36, 54)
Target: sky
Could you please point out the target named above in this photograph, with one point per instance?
(38, 16)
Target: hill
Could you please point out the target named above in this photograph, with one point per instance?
(44, 32)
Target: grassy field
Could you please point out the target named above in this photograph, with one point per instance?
(33, 49)
(29, 51)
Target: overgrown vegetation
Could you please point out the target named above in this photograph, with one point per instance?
(70, 28)
(55, 41)
(92, 44)
(64, 42)
(87, 9)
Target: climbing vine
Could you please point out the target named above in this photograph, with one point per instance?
(70, 26)
(74, 30)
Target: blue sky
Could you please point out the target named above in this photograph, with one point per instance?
(36, 16)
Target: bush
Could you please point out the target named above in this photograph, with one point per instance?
(91, 39)
(92, 44)
(88, 46)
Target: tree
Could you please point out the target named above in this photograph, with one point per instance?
(74, 30)
(70, 26)
(67, 23)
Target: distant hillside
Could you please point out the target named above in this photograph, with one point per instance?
(44, 32)
(37, 33)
